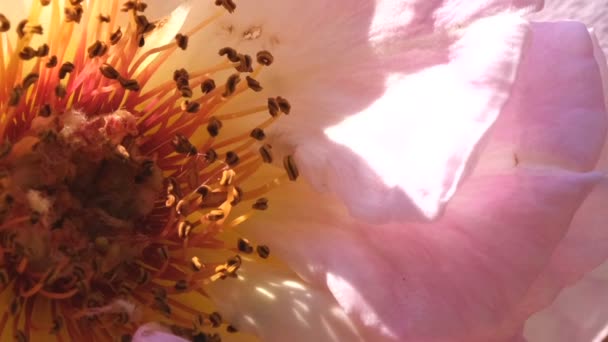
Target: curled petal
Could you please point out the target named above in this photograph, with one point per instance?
(421, 134)
(556, 114)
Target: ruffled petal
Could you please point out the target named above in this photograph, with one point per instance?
(556, 114)
(277, 306)
(572, 121)
(459, 277)
(420, 135)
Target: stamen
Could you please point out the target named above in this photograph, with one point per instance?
(214, 126)
(182, 41)
(116, 36)
(253, 84)
(52, 62)
(263, 251)
(231, 84)
(266, 153)
(98, 49)
(229, 5)
(258, 134)
(125, 189)
(65, 69)
(291, 168)
(5, 24)
(265, 58)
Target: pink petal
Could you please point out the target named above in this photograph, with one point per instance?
(456, 278)
(420, 135)
(592, 13)
(571, 120)
(580, 313)
(470, 273)
(556, 114)
(276, 305)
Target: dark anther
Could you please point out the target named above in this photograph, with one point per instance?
(66, 68)
(284, 105)
(27, 53)
(97, 49)
(73, 14)
(230, 53)
(264, 57)
(130, 84)
(21, 28)
(108, 71)
(182, 145)
(190, 107)
(229, 5)
(244, 246)
(52, 62)
(253, 84)
(115, 37)
(104, 18)
(43, 50)
(210, 156)
(258, 134)
(143, 25)
(45, 111)
(182, 41)
(214, 126)
(216, 319)
(207, 86)
(15, 96)
(232, 158)
(231, 84)
(260, 204)
(290, 166)
(266, 153)
(263, 251)
(273, 107)
(5, 24)
(245, 64)
(29, 80)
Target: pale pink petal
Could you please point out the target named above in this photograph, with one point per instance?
(276, 305)
(459, 277)
(420, 135)
(424, 16)
(592, 13)
(556, 114)
(154, 332)
(580, 313)
(564, 127)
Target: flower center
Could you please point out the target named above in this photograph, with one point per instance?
(115, 192)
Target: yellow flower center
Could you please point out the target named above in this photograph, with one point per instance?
(116, 191)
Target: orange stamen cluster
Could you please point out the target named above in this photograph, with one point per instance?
(83, 101)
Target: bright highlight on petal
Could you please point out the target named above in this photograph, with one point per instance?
(420, 136)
